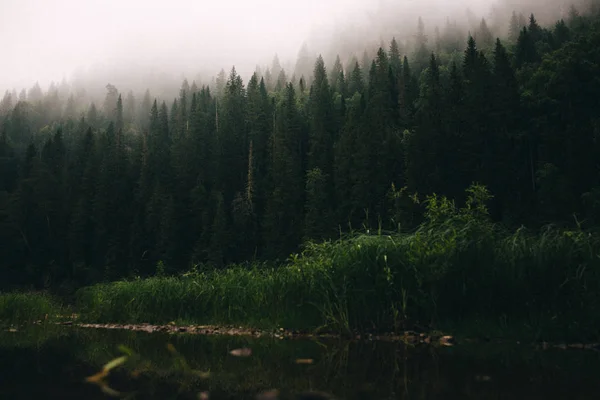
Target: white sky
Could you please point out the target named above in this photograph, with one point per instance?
(46, 39)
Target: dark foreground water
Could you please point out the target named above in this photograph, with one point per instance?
(52, 363)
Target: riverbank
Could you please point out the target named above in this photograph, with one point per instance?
(463, 280)
(457, 273)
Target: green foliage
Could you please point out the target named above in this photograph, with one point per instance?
(457, 266)
(235, 173)
(27, 307)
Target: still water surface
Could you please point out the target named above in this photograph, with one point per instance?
(52, 363)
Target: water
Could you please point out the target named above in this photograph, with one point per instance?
(52, 363)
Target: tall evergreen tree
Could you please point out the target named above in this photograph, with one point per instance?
(284, 216)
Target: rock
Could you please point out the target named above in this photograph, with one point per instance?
(447, 341)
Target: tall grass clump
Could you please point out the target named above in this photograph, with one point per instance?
(460, 267)
(27, 307)
(258, 295)
(457, 268)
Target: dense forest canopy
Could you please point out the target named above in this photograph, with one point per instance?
(229, 170)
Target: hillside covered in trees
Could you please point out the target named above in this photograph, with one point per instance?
(238, 171)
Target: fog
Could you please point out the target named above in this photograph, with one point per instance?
(146, 43)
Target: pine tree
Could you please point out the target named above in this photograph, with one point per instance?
(260, 126)
(424, 163)
(421, 51)
(407, 95)
(347, 174)
(219, 233)
(70, 109)
(233, 138)
(318, 219)
(355, 81)
(144, 114)
(378, 155)
(561, 34)
(81, 228)
(284, 215)
(281, 81)
(455, 127)
(366, 66)
(478, 143)
(322, 126)
(334, 74)
(535, 31)
(484, 35)
(119, 121)
(129, 114)
(526, 51)
(110, 102)
(514, 29)
(304, 63)
(321, 121)
(395, 56)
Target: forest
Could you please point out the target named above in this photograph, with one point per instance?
(234, 172)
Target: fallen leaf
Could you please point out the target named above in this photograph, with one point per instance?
(305, 361)
(125, 349)
(97, 378)
(114, 363)
(243, 352)
(110, 391)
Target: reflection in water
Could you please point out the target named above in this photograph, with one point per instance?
(53, 362)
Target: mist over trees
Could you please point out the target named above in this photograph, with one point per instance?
(225, 170)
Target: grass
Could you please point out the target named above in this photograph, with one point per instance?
(27, 307)
(257, 296)
(458, 273)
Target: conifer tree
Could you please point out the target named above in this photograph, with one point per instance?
(232, 138)
(129, 114)
(525, 51)
(321, 139)
(284, 215)
(407, 95)
(355, 81)
(260, 126)
(421, 51)
(119, 121)
(484, 35)
(514, 29)
(334, 74)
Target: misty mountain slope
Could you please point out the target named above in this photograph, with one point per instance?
(235, 170)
